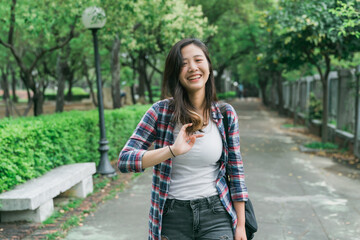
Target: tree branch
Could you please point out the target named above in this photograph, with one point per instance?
(313, 62)
(43, 52)
(234, 57)
(15, 54)
(153, 66)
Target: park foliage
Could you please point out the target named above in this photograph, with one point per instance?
(260, 43)
(32, 146)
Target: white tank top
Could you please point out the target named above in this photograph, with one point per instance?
(194, 173)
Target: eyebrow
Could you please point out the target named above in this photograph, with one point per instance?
(195, 56)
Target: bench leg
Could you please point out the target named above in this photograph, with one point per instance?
(81, 190)
(38, 215)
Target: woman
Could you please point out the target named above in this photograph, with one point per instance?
(190, 198)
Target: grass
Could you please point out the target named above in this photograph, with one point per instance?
(332, 122)
(320, 145)
(71, 222)
(74, 204)
(57, 214)
(52, 218)
(289, 125)
(53, 236)
(100, 185)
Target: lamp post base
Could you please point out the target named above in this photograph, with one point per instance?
(105, 167)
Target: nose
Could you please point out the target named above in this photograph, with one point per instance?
(192, 66)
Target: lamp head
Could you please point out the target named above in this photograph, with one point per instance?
(93, 18)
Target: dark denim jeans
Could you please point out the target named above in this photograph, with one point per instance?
(200, 219)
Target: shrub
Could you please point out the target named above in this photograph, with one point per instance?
(315, 107)
(32, 146)
(77, 94)
(226, 95)
(320, 145)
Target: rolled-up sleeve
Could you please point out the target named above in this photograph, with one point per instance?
(235, 167)
(130, 158)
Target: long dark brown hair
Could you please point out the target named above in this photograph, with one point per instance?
(184, 111)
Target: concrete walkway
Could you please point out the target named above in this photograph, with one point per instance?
(295, 195)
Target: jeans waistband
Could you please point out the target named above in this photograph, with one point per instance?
(200, 201)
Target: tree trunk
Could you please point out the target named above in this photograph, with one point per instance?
(142, 78)
(69, 94)
(277, 76)
(60, 65)
(325, 100)
(147, 79)
(356, 135)
(324, 132)
(273, 89)
(148, 86)
(6, 95)
(88, 81)
(263, 81)
(218, 80)
(115, 74)
(38, 100)
(15, 98)
(132, 87)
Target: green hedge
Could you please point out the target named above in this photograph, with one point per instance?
(29, 147)
(226, 95)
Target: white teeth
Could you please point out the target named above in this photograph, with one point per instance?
(192, 78)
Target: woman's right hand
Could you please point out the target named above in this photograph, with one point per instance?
(184, 142)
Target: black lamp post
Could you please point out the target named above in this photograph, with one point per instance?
(93, 19)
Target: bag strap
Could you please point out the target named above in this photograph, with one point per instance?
(222, 107)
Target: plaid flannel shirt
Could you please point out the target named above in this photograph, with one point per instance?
(156, 126)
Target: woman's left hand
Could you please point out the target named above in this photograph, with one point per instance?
(240, 233)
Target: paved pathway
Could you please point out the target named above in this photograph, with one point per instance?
(295, 195)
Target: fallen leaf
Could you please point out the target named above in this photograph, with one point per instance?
(322, 153)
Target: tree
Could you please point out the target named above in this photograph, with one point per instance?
(238, 37)
(350, 14)
(31, 26)
(306, 36)
(160, 25)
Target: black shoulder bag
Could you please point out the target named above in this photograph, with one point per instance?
(250, 220)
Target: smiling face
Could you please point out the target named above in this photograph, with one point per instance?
(195, 69)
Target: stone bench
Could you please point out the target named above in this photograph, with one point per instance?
(33, 200)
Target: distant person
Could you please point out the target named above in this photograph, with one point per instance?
(241, 90)
(190, 198)
(123, 98)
